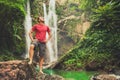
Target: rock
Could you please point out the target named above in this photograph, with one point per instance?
(21, 70)
(13, 70)
(50, 77)
(105, 77)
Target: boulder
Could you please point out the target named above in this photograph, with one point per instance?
(21, 70)
(105, 77)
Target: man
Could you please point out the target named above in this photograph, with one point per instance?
(40, 40)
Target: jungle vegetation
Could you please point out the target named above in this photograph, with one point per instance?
(99, 48)
(12, 15)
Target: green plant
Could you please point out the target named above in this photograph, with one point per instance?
(101, 43)
(11, 20)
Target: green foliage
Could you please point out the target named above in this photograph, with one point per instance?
(71, 30)
(36, 9)
(106, 13)
(101, 43)
(13, 4)
(59, 10)
(11, 20)
(6, 55)
(87, 4)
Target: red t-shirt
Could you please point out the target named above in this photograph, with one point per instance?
(40, 31)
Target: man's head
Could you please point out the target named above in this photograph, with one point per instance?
(40, 19)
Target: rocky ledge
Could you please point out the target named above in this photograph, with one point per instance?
(21, 70)
(105, 77)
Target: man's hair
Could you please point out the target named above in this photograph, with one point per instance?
(40, 19)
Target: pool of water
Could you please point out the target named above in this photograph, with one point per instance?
(71, 75)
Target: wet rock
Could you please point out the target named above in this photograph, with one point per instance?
(12, 70)
(105, 77)
(50, 77)
(20, 70)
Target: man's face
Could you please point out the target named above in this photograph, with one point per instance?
(41, 19)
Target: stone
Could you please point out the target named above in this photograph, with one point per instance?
(21, 70)
(105, 77)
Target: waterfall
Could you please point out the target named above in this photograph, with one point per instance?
(51, 21)
(27, 26)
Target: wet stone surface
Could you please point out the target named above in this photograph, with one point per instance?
(105, 77)
(21, 70)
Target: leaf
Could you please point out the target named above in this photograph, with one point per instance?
(18, 37)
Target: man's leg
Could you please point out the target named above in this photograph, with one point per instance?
(42, 50)
(31, 53)
(41, 64)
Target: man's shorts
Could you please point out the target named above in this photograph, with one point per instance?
(41, 46)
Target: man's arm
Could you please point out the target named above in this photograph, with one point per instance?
(30, 35)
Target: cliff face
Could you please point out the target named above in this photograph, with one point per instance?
(72, 24)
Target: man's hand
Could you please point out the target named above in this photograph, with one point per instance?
(34, 40)
(30, 35)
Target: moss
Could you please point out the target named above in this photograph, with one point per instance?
(12, 17)
(100, 45)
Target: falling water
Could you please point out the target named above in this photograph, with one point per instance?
(27, 25)
(51, 21)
